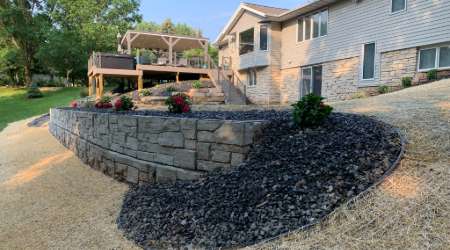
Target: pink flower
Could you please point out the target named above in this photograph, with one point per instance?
(186, 108)
(118, 105)
(74, 104)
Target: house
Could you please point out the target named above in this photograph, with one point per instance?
(334, 47)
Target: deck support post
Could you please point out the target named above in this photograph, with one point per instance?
(100, 85)
(140, 81)
(178, 77)
(90, 86)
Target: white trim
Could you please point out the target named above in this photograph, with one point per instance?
(374, 61)
(398, 11)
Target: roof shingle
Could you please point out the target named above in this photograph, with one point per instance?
(270, 11)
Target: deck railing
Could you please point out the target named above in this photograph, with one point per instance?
(111, 61)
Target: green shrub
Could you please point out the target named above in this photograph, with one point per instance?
(197, 84)
(171, 89)
(383, 89)
(104, 103)
(124, 103)
(34, 92)
(406, 82)
(359, 95)
(145, 92)
(310, 111)
(180, 103)
(84, 92)
(432, 75)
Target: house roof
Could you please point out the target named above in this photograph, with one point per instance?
(268, 10)
(272, 13)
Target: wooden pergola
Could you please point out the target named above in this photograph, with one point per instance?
(118, 66)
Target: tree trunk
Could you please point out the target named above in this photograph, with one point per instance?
(27, 74)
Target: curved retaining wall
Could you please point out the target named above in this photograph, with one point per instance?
(140, 149)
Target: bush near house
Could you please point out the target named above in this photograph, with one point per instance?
(197, 84)
(180, 103)
(406, 82)
(104, 103)
(124, 103)
(145, 92)
(432, 75)
(310, 111)
(383, 89)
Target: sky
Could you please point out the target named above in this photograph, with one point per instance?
(208, 15)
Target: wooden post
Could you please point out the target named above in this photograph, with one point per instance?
(90, 90)
(178, 77)
(140, 81)
(100, 85)
(170, 51)
(129, 44)
(205, 48)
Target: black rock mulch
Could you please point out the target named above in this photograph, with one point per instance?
(292, 178)
(221, 115)
(38, 122)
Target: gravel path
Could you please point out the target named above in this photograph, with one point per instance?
(50, 200)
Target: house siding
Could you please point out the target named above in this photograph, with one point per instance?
(353, 24)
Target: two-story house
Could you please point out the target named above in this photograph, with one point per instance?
(334, 48)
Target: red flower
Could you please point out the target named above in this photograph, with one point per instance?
(74, 104)
(118, 104)
(186, 108)
(178, 100)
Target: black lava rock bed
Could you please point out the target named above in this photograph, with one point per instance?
(292, 178)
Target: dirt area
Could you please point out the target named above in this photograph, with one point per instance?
(410, 210)
(50, 200)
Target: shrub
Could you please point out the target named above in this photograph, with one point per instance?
(406, 82)
(84, 93)
(171, 89)
(310, 111)
(197, 84)
(104, 103)
(383, 89)
(34, 92)
(432, 75)
(124, 103)
(145, 92)
(359, 95)
(180, 103)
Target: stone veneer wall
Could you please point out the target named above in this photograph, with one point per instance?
(340, 79)
(398, 64)
(139, 149)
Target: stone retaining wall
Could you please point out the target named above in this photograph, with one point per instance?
(139, 149)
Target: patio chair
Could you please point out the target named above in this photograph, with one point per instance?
(182, 62)
(162, 61)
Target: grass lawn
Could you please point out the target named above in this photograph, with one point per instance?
(15, 106)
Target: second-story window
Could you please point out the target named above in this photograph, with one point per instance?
(398, 5)
(313, 26)
(263, 38)
(246, 41)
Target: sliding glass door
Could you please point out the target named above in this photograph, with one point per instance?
(311, 80)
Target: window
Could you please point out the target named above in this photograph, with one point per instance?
(398, 5)
(369, 61)
(300, 30)
(263, 38)
(427, 59)
(311, 80)
(312, 26)
(307, 28)
(251, 77)
(434, 58)
(444, 57)
(246, 41)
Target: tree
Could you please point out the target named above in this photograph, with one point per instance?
(82, 27)
(24, 24)
(148, 26)
(167, 27)
(11, 64)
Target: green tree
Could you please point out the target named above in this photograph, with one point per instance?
(24, 24)
(11, 65)
(167, 27)
(148, 26)
(82, 27)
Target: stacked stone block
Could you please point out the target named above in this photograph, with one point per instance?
(139, 149)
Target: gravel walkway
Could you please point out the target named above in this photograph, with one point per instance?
(50, 200)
